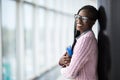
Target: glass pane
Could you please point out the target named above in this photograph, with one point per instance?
(59, 5)
(49, 38)
(41, 25)
(41, 2)
(70, 22)
(50, 3)
(58, 35)
(28, 0)
(28, 22)
(8, 39)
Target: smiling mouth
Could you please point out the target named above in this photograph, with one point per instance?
(79, 25)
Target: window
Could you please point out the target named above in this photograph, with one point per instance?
(28, 30)
(58, 36)
(41, 39)
(49, 38)
(8, 39)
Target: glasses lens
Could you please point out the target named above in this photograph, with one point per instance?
(83, 18)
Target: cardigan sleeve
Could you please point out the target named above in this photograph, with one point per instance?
(80, 56)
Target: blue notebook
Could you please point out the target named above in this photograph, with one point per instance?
(69, 51)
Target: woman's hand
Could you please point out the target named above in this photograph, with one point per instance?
(64, 60)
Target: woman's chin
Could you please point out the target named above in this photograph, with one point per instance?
(78, 29)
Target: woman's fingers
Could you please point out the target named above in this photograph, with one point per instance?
(65, 60)
(68, 59)
(62, 61)
(67, 64)
(65, 54)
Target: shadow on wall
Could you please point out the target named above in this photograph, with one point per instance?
(104, 58)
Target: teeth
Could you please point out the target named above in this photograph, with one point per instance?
(79, 25)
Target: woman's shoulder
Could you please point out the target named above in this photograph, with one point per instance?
(89, 34)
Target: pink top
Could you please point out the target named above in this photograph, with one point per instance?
(83, 65)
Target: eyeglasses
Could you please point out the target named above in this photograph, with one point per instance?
(83, 18)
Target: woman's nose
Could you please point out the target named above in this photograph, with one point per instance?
(78, 21)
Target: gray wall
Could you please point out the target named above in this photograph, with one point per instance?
(109, 39)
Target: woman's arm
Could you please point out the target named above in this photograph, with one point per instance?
(80, 56)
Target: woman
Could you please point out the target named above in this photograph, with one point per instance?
(83, 63)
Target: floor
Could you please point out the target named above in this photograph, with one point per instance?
(51, 75)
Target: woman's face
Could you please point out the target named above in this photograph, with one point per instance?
(83, 21)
